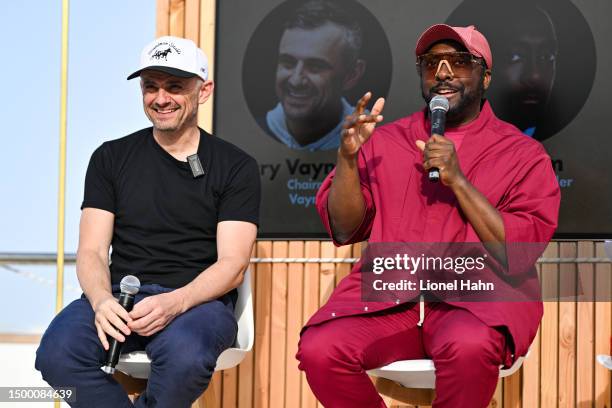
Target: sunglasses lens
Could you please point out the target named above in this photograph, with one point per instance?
(461, 64)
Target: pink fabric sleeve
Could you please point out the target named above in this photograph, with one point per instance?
(363, 231)
(530, 212)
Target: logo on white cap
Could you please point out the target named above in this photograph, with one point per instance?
(174, 55)
(159, 54)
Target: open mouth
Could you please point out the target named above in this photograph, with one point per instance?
(531, 100)
(298, 94)
(165, 111)
(445, 91)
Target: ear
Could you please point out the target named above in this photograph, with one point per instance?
(206, 89)
(487, 79)
(354, 75)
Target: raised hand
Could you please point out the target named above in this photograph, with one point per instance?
(358, 127)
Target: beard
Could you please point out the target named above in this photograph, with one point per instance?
(173, 124)
(457, 110)
(512, 108)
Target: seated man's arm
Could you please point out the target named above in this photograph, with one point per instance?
(95, 234)
(235, 241)
(234, 245)
(346, 204)
(345, 201)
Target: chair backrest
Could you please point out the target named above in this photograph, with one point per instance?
(244, 314)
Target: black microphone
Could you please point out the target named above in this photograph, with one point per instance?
(196, 165)
(129, 288)
(438, 106)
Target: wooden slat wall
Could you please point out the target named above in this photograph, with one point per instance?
(559, 372)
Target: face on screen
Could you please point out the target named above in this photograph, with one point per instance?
(526, 65)
(311, 71)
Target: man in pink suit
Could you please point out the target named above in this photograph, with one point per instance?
(496, 187)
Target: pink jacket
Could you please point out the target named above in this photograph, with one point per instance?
(510, 169)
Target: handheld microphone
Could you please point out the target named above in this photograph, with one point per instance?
(438, 106)
(130, 285)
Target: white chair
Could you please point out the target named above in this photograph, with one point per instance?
(605, 360)
(422, 373)
(137, 365)
(417, 378)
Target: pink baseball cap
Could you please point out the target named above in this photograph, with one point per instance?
(472, 39)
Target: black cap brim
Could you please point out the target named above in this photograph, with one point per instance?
(167, 70)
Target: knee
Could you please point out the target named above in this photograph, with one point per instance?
(188, 360)
(475, 351)
(64, 352)
(51, 357)
(316, 353)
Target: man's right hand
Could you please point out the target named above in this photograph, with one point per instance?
(109, 315)
(358, 127)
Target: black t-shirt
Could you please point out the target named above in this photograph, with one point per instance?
(165, 219)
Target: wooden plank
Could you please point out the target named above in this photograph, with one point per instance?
(395, 394)
(567, 327)
(162, 25)
(512, 390)
(208, 10)
(263, 275)
(278, 337)
(217, 386)
(230, 388)
(246, 369)
(585, 329)
(245, 382)
(311, 304)
(177, 18)
(343, 269)
(357, 249)
(549, 331)
(295, 297)
(531, 375)
(603, 328)
(328, 277)
(498, 396)
(192, 20)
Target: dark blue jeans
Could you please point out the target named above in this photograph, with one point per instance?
(183, 354)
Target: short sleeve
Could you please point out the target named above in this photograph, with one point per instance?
(363, 231)
(99, 188)
(242, 193)
(530, 211)
(530, 208)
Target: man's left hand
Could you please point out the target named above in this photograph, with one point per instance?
(439, 152)
(153, 313)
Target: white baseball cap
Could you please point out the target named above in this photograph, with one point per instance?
(175, 56)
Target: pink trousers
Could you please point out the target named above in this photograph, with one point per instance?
(467, 354)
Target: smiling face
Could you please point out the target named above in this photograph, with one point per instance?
(311, 71)
(464, 94)
(170, 102)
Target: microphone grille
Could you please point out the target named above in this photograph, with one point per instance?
(438, 102)
(130, 284)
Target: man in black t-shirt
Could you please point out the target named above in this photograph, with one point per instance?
(180, 210)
